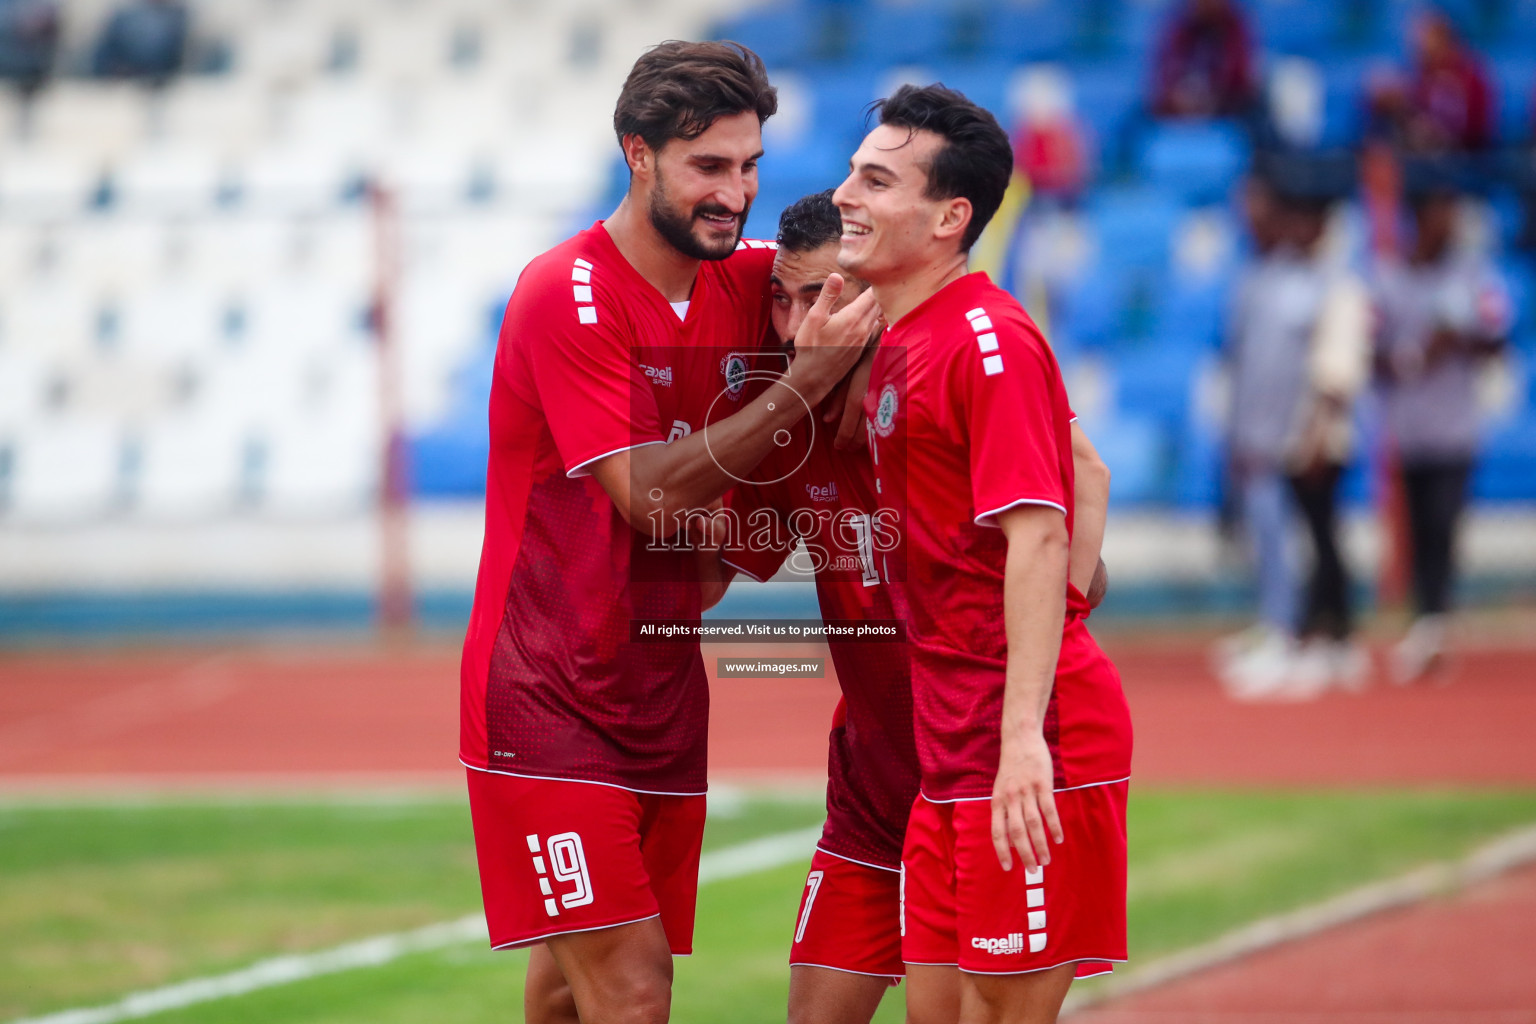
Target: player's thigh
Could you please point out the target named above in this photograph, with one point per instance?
(547, 995)
(557, 857)
(849, 918)
(1033, 998)
(822, 995)
(933, 994)
(618, 975)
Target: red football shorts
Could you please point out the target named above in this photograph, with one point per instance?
(850, 918)
(960, 907)
(558, 857)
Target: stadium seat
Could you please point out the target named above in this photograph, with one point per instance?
(296, 180)
(1031, 30)
(189, 467)
(173, 322)
(91, 121)
(1133, 226)
(231, 116)
(784, 35)
(1303, 27)
(1196, 162)
(64, 471)
(312, 469)
(37, 183)
(182, 180)
(110, 253)
(1108, 101)
(1506, 467)
(905, 33)
(25, 378)
(51, 314)
(1512, 76)
(1134, 450)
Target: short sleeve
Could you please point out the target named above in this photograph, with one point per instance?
(593, 394)
(1009, 396)
(763, 541)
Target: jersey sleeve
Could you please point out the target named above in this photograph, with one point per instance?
(1008, 401)
(581, 367)
(764, 540)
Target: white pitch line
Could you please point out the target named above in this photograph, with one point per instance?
(1488, 861)
(717, 865)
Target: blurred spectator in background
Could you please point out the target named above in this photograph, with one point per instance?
(1447, 105)
(1205, 63)
(1298, 354)
(29, 37)
(1440, 314)
(143, 39)
(1048, 146)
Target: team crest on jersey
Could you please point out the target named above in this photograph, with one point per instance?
(885, 410)
(734, 366)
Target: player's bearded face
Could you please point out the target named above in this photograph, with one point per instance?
(703, 230)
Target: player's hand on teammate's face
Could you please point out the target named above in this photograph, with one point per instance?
(827, 343)
(1023, 803)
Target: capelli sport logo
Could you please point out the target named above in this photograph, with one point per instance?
(1012, 943)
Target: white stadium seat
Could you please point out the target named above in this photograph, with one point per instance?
(64, 470)
(25, 378)
(295, 180)
(169, 179)
(37, 184)
(170, 323)
(231, 116)
(189, 466)
(317, 466)
(54, 315)
(96, 121)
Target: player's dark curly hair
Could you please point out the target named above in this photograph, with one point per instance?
(976, 160)
(677, 89)
(810, 222)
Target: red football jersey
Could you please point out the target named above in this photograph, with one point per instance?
(593, 360)
(828, 500)
(968, 417)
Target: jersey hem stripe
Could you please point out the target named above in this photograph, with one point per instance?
(1063, 789)
(584, 782)
(580, 469)
(519, 943)
(1037, 970)
(745, 572)
(992, 515)
(845, 970)
(855, 860)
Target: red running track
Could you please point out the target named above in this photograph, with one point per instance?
(1466, 960)
(306, 714)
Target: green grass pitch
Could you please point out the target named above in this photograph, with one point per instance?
(97, 901)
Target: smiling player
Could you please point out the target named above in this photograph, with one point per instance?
(846, 949)
(585, 751)
(1014, 860)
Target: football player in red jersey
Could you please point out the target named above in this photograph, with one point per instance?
(846, 949)
(1014, 856)
(585, 750)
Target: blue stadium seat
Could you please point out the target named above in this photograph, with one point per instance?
(1109, 99)
(984, 82)
(1198, 162)
(1036, 31)
(1152, 378)
(1307, 27)
(1132, 226)
(1136, 27)
(1197, 464)
(1519, 22)
(1506, 468)
(908, 34)
(1135, 450)
(1512, 77)
(788, 35)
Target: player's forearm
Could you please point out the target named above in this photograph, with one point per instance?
(668, 481)
(1090, 497)
(1034, 607)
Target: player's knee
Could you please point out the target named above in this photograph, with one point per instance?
(551, 1005)
(647, 1001)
